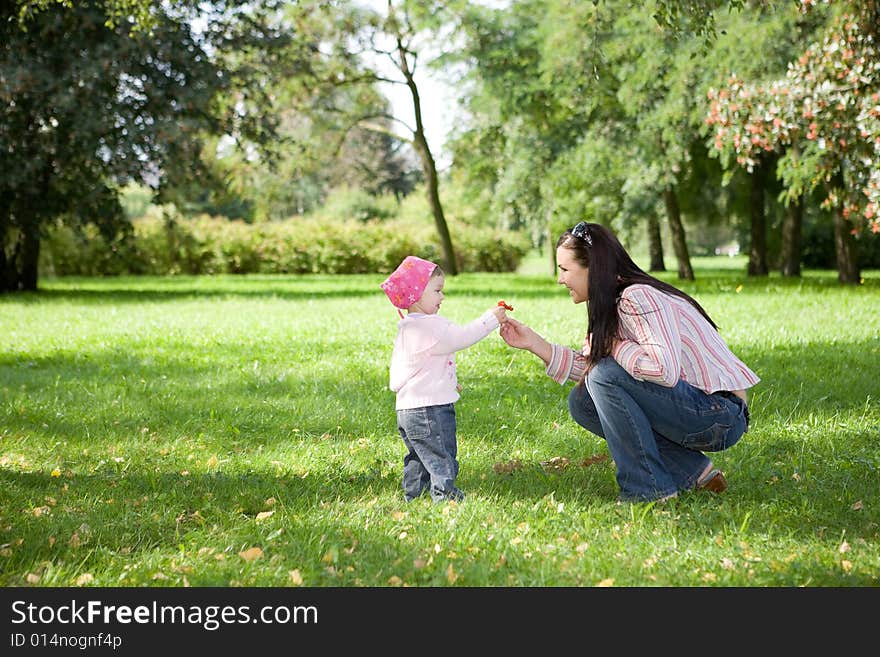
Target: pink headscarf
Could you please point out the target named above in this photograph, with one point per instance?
(406, 284)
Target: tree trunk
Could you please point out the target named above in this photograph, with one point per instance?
(429, 168)
(679, 245)
(5, 268)
(758, 232)
(848, 270)
(790, 265)
(430, 171)
(655, 244)
(30, 257)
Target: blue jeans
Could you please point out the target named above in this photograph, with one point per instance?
(656, 435)
(430, 463)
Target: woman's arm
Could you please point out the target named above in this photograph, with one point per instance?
(562, 363)
(650, 349)
(518, 335)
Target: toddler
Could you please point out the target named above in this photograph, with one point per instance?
(423, 376)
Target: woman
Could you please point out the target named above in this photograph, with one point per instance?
(654, 379)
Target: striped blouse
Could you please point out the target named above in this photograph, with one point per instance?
(664, 339)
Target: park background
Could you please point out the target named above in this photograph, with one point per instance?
(198, 203)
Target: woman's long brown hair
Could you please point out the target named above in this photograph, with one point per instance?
(611, 271)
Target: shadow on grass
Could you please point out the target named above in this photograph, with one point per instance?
(153, 289)
(82, 394)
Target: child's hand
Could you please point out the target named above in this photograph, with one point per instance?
(500, 314)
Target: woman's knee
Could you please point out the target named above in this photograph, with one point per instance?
(576, 400)
(606, 371)
(583, 410)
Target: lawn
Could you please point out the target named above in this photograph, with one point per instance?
(238, 431)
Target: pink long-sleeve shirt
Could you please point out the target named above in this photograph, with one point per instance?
(664, 339)
(423, 358)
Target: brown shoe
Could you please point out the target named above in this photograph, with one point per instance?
(714, 482)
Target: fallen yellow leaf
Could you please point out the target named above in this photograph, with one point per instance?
(609, 581)
(295, 577)
(592, 460)
(450, 575)
(556, 463)
(262, 515)
(507, 467)
(85, 578)
(251, 554)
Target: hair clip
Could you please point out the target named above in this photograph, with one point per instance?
(582, 231)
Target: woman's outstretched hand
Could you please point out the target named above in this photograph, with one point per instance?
(517, 334)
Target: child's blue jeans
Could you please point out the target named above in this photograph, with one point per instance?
(656, 435)
(430, 463)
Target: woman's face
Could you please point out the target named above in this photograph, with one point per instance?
(572, 275)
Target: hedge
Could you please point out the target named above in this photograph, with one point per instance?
(212, 245)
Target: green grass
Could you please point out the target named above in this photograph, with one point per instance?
(154, 429)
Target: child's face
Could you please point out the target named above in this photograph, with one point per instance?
(432, 297)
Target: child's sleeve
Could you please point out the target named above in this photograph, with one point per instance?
(451, 337)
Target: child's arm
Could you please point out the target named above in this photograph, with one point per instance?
(452, 337)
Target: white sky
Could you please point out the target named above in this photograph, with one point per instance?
(438, 109)
(438, 100)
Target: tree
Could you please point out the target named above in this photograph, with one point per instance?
(87, 105)
(316, 151)
(344, 44)
(824, 118)
(832, 99)
(528, 76)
